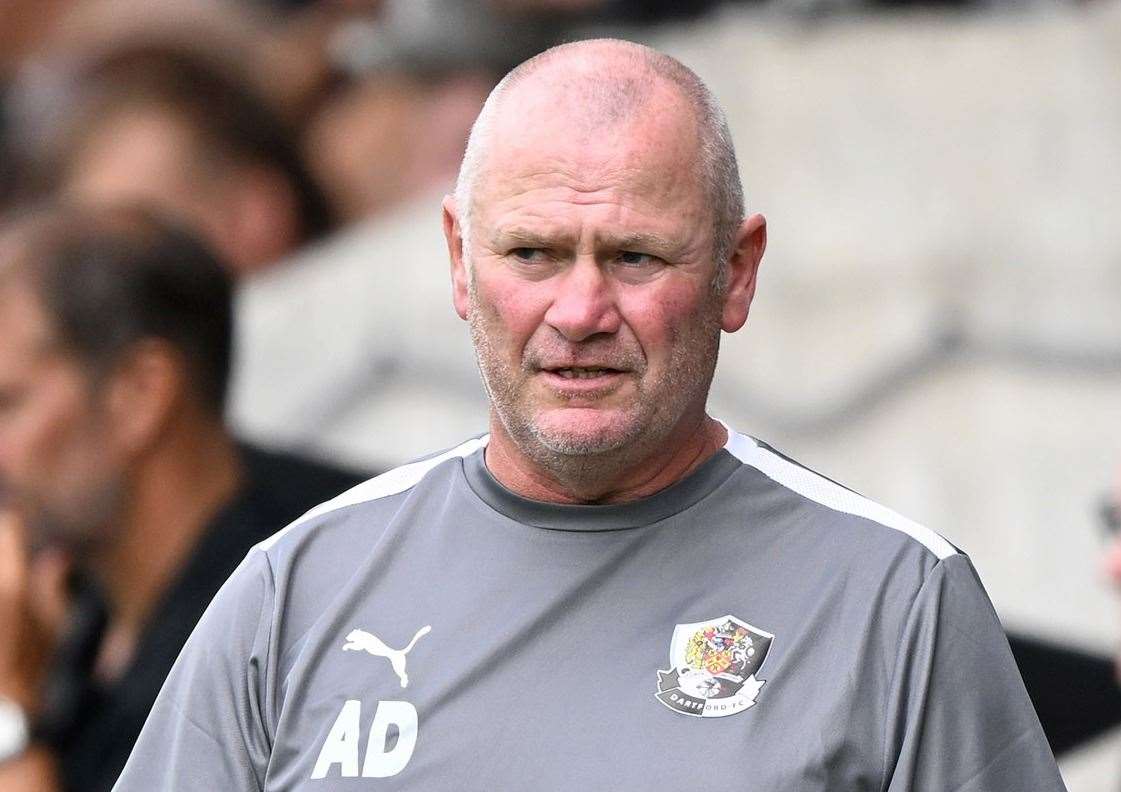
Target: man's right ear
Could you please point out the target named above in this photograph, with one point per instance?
(454, 236)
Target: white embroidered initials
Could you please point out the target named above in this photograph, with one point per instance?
(341, 745)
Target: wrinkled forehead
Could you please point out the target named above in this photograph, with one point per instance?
(643, 132)
(587, 94)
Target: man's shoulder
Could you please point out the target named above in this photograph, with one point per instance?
(367, 498)
(836, 514)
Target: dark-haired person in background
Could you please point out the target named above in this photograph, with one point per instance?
(171, 128)
(126, 502)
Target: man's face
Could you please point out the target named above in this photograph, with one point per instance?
(590, 296)
(56, 466)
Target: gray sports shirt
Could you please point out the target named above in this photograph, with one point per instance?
(754, 626)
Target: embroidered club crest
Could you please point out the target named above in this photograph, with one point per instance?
(713, 666)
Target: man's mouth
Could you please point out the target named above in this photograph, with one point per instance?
(582, 372)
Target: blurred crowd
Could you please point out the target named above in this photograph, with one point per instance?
(264, 124)
(242, 132)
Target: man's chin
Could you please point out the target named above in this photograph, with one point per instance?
(584, 432)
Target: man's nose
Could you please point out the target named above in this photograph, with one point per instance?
(584, 302)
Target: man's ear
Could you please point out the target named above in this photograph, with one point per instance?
(743, 267)
(454, 236)
(144, 391)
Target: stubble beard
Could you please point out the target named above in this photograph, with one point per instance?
(582, 460)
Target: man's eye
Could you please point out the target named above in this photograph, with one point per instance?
(629, 258)
(528, 254)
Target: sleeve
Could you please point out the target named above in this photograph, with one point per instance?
(958, 717)
(207, 729)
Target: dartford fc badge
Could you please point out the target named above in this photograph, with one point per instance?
(713, 666)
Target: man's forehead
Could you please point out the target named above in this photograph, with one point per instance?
(585, 98)
(539, 135)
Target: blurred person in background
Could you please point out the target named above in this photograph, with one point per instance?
(44, 46)
(410, 77)
(380, 141)
(126, 502)
(23, 26)
(379, 96)
(168, 127)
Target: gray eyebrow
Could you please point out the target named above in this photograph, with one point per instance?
(525, 236)
(640, 241)
(654, 242)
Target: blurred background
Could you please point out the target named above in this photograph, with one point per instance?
(938, 320)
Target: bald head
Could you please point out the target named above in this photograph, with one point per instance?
(599, 85)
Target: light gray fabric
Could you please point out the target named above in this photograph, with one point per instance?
(883, 666)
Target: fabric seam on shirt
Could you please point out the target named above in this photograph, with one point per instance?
(392, 482)
(267, 660)
(832, 496)
(491, 509)
(899, 657)
(198, 727)
(1011, 744)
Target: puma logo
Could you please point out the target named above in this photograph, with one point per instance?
(362, 641)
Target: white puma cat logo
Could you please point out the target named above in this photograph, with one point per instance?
(360, 640)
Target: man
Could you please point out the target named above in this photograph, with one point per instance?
(611, 590)
(125, 501)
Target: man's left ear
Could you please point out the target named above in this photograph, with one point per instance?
(743, 267)
(143, 392)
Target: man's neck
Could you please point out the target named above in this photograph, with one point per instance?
(602, 481)
(173, 494)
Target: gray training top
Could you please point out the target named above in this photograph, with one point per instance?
(754, 626)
